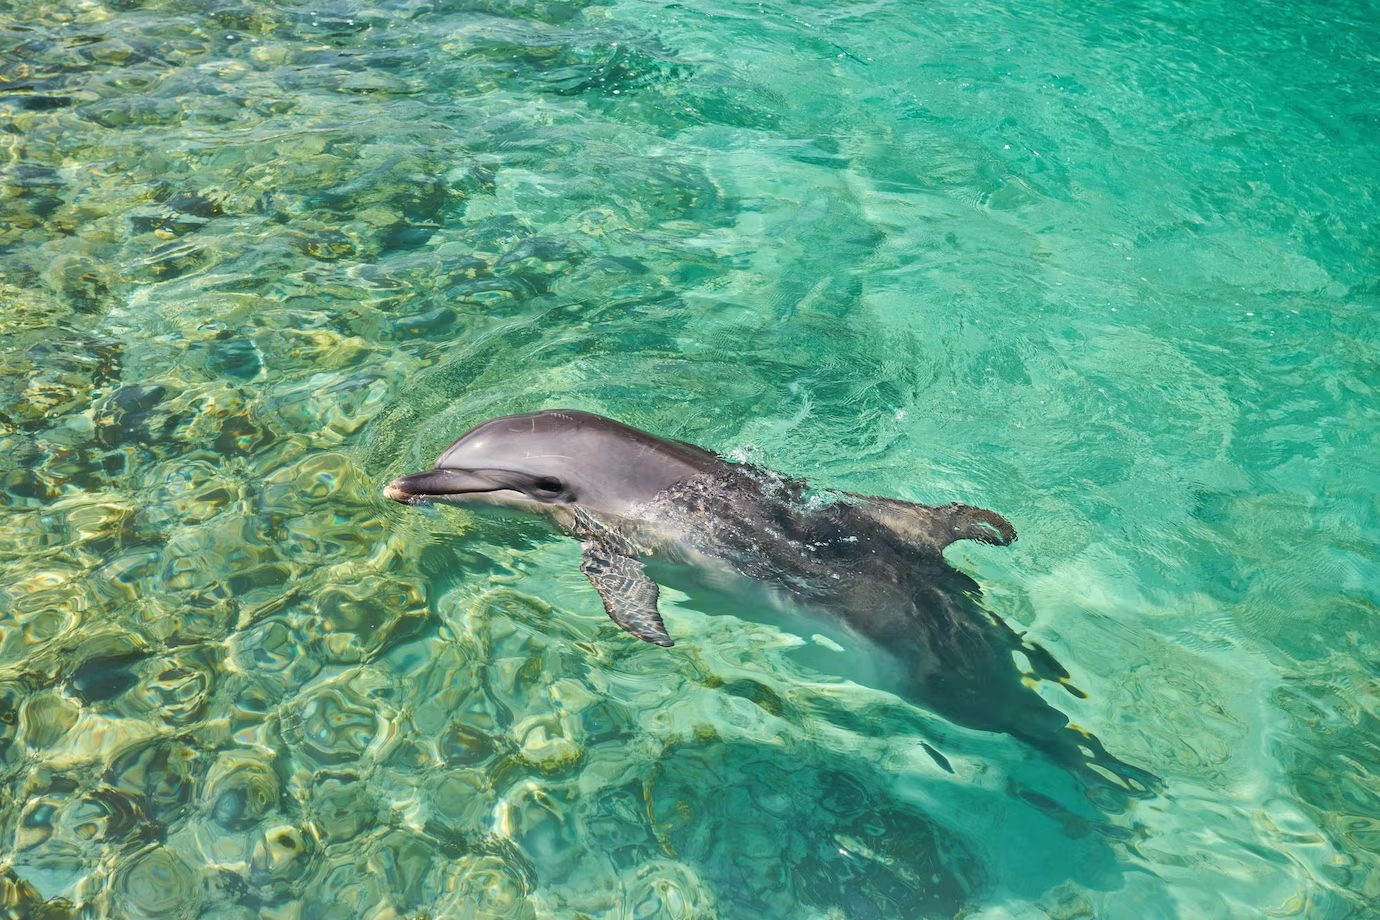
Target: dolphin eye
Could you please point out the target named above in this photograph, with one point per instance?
(548, 485)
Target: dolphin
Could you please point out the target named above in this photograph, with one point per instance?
(876, 565)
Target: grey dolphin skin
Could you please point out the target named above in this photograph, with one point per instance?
(874, 564)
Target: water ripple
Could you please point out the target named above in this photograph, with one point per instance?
(1107, 272)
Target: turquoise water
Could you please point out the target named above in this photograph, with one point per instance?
(1110, 271)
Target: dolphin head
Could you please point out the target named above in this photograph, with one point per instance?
(550, 458)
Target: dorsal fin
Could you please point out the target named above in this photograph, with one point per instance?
(934, 527)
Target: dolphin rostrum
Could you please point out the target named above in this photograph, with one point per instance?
(875, 564)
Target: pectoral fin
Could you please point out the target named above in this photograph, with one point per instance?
(629, 595)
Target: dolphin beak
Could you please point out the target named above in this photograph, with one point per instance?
(438, 483)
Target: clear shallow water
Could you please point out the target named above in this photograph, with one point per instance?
(1108, 271)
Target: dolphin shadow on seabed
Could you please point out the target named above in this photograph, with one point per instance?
(872, 566)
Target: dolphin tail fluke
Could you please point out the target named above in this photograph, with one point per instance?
(1084, 755)
(629, 595)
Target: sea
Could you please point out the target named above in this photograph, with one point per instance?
(1108, 269)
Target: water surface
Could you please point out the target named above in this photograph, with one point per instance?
(1108, 270)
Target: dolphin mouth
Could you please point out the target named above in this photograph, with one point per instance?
(438, 484)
